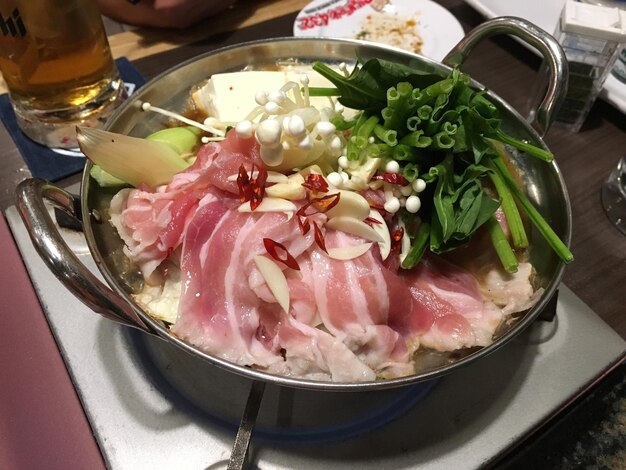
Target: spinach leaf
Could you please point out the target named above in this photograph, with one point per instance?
(366, 87)
(443, 131)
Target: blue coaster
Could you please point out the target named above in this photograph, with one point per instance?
(55, 164)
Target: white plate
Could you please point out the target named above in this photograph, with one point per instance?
(545, 14)
(438, 29)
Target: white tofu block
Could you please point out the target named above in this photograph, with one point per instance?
(229, 97)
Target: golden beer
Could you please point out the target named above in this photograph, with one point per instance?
(56, 61)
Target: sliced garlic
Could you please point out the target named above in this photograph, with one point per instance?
(405, 245)
(269, 204)
(345, 253)
(383, 231)
(275, 280)
(355, 227)
(314, 169)
(350, 204)
(291, 189)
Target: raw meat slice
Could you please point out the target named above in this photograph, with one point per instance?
(460, 316)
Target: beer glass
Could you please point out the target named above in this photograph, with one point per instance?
(58, 68)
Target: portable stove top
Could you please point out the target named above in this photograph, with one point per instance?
(153, 406)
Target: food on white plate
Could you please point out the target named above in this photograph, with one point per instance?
(392, 29)
(308, 242)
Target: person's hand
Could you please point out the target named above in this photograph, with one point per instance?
(161, 13)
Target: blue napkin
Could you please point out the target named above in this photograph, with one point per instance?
(53, 165)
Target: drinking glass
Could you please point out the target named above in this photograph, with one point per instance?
(58, 68)
(614, 196)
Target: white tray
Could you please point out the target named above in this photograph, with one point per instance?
(545, 14)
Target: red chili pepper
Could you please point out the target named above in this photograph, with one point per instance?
(396, 240)
(316, 182)
(251, 189)
(326, 203)
(393, 178)
(319, 237)
(371, 220)
(287, 259)
(258, 187)
(243, 183)
(323, 204)
(302, 211)
(304, 224)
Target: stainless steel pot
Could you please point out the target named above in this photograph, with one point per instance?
(170, 90)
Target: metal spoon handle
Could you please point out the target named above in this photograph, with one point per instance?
(239, 455)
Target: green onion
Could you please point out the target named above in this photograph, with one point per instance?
(523, 146)
(513, 218)
(410, 171)
(546, 231)
(418, 247)
(403, 152)
(430, 93)
(366, 129)
(412, 123)
(378, 150)
(501, 245)
(402, 105)
(388, 136)
(416, 139)
(424, 112)
(442, 141)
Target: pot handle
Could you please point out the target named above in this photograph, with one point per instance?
(528, 32)
(65, 265)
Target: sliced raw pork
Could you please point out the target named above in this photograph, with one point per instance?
(450, 299)
(348, 321)
(152, 221)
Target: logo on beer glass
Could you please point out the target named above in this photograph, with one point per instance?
(12, 25)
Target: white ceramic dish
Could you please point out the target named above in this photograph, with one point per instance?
(545, 14)
(437, 28)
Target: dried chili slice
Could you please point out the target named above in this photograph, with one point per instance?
(272, 248)
(396, 240)
(393, 178)
(371, 220)
(322, 204)
(243, 184)
(251, 189)
(319, 237)
(304, 224)
(316, 182)
(258, 187)
(326, 203)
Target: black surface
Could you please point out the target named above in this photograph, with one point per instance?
(589, 434)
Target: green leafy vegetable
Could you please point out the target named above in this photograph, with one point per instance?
(448, 134)
(501, 245)
(366, 88)
(544, 228)
(509, 207)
